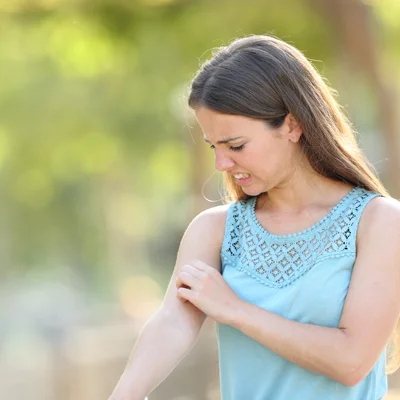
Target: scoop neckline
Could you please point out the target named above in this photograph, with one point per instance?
(302, 232)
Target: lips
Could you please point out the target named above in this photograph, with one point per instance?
(243, 180)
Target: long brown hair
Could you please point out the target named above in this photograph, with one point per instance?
(265, 78)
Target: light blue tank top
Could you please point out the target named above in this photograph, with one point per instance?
(303, 277)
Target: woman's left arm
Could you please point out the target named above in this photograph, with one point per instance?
(370, 313)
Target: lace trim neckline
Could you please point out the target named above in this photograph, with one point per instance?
(304, 231)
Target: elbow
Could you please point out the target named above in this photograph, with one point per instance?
(352, 366)
(351, 380)
(352, 375)
(186, 324)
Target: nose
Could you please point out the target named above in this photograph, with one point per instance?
(223, 162)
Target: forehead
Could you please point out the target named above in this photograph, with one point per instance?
(221, 126)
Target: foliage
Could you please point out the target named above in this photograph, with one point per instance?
(91, 113)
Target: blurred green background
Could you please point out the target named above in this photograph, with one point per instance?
(102, 167)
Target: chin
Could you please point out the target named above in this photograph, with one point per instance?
(255, 191)
(251, 191)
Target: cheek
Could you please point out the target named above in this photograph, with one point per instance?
(267, 161)
(265, 158)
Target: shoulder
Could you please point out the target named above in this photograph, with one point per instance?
(210, 223)
(214, 217)
(381, 217)
(203, 237)
(216, 213)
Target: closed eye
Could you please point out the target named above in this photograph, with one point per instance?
(238, 148)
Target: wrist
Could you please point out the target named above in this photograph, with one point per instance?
(239, 314)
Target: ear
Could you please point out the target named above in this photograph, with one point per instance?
(294, 129)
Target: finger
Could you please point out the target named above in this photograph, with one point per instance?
(179, 281)
(179, 294)
(190, 270)
(185, 294)
(188, 280)
(180, 298)
(194, 271)
(180, 284)
(202, 271)
(202, 266)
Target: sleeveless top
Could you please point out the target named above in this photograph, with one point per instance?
(303, 277)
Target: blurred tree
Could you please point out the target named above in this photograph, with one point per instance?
(356, 27)
(95, 148)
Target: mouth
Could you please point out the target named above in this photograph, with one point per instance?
(242, 179)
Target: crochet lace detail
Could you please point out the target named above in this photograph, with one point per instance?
(278, 260)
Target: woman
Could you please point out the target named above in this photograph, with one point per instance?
(301, 270)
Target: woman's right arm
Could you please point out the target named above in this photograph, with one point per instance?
(170, 333)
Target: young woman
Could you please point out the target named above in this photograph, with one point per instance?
(301, 269)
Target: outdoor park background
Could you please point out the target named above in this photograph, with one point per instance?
(102, 167)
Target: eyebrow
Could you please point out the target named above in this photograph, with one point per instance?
(225, 140)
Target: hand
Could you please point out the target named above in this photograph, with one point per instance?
(206, 289)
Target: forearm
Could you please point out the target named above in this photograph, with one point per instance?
(323, 350)
(162, 343)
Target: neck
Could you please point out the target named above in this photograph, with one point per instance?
(303, 188)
